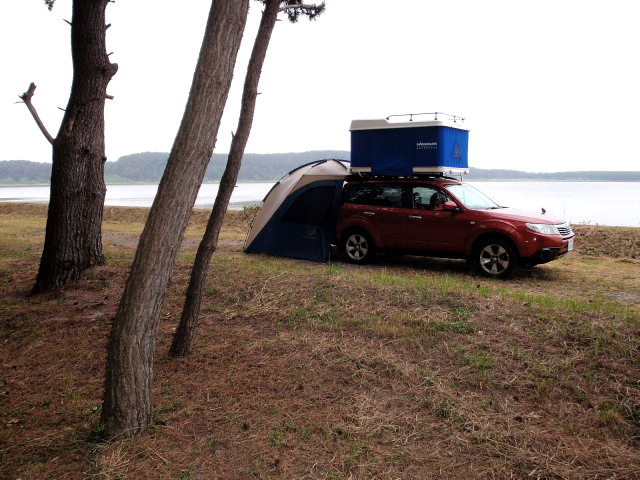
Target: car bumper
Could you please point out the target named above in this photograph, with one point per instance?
(548, 254)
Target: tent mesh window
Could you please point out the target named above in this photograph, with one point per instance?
(310, 208)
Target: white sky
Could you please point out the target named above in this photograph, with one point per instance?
(545, 85)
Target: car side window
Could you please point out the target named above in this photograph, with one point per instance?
(379, 195)
(428, 198)
(388, 196)
(359, 194)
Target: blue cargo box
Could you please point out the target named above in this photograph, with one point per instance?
(402, 149)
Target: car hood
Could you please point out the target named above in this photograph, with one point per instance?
(525, 216)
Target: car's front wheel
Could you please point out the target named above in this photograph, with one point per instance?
(358, 247)
(495, 257)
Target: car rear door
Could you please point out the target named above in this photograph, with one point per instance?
(380, 208)
(389, 215)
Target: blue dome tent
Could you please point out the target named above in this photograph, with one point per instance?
(298, 215)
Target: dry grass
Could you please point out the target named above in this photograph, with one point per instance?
(615, 242)
(409, 368)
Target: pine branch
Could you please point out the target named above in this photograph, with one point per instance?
(295, 8)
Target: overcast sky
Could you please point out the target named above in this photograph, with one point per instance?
(545, 85)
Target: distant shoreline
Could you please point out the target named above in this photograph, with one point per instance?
(466, 179)
(148, 167)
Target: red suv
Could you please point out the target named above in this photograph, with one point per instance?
(442, 217)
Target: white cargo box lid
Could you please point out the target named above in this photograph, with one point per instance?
(377, 124)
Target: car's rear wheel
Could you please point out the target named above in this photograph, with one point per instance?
(495, 257)
(358, 247)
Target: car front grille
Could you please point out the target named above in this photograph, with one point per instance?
(564, 229)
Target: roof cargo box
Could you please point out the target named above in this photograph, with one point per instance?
(401, 149)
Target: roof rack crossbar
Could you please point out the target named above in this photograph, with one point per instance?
(455, 118)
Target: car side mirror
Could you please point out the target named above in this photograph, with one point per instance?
(450, 206)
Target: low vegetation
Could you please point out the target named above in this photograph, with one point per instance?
(409, 368)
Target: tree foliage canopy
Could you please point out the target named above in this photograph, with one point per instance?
(294, 9)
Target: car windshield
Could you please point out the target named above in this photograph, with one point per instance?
(471, 197)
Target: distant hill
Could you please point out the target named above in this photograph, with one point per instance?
(582, 176)
(148, 167)
(24, 172)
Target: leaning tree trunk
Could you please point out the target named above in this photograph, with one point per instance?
(189, 320)
(128, 399)
(73, 237)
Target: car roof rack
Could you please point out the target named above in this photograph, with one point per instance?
(413, 176)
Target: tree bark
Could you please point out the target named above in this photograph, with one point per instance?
(191, 311)
(128, 398)
(73, 236)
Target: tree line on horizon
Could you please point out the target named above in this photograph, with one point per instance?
(267, 167)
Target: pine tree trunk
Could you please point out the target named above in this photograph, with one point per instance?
(128, 398)
(191, 311)
(73, 236)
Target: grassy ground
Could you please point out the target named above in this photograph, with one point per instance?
(409, 368)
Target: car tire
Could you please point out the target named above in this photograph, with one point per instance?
(495, 257)
(358, 247)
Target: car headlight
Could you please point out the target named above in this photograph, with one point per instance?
(543, 228)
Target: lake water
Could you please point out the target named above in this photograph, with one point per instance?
(244, 194)
(603, 203)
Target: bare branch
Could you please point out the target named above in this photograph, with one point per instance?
(26, 98)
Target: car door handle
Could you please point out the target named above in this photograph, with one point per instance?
(369, 214)
(417, 217)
